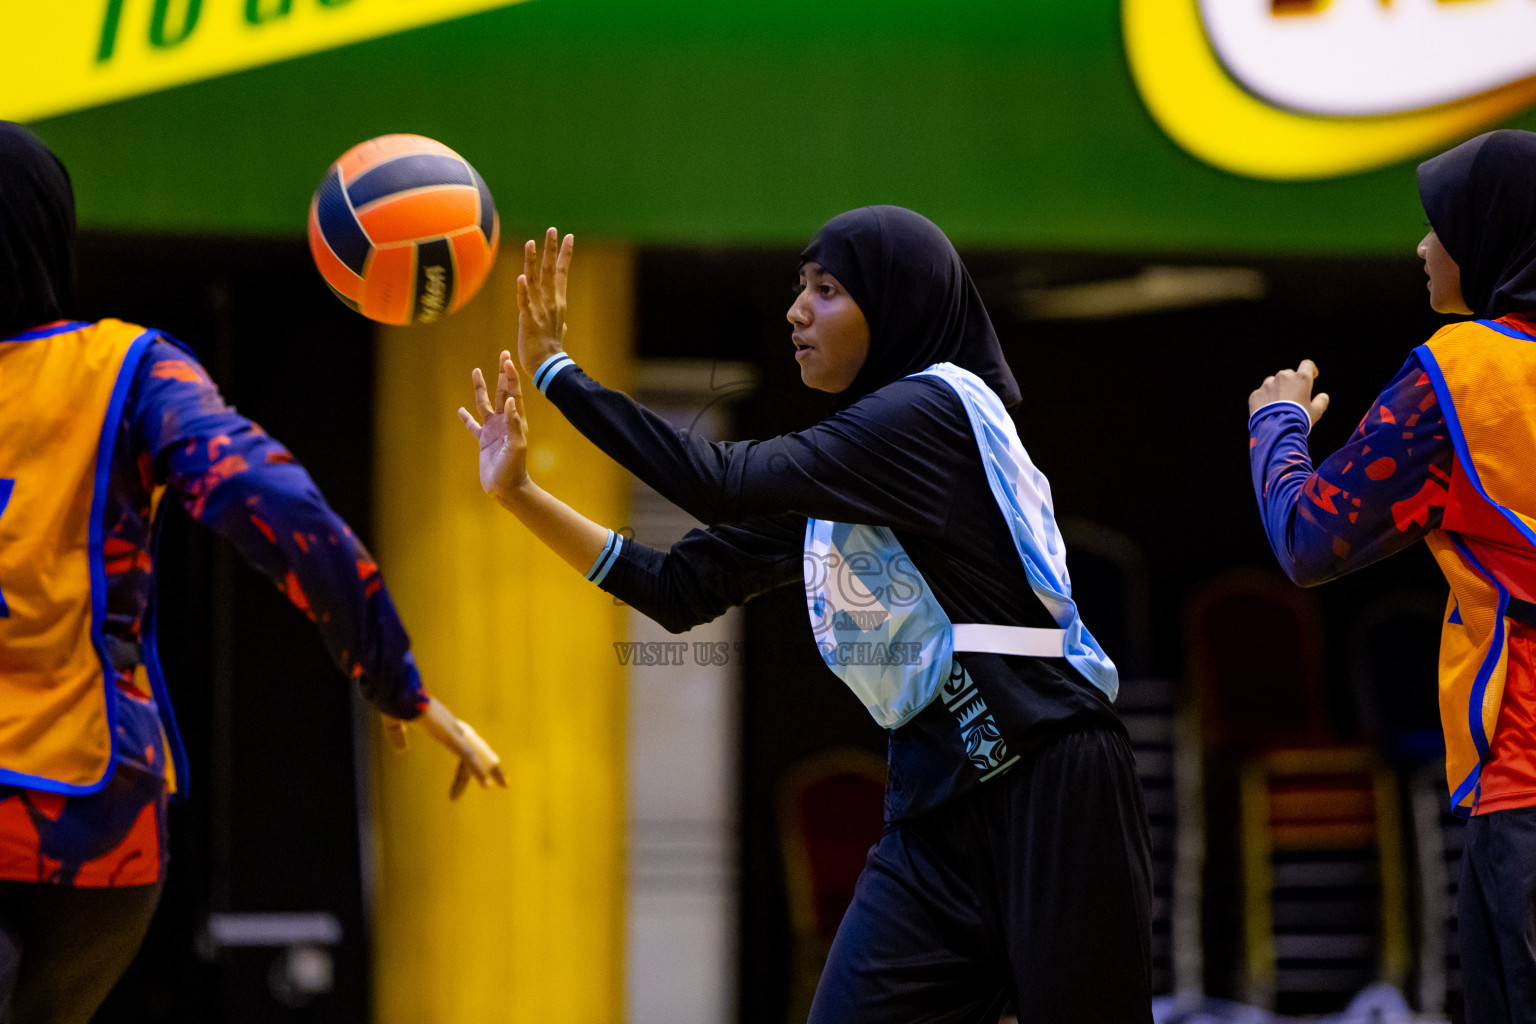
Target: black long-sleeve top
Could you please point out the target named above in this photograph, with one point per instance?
(903, 457)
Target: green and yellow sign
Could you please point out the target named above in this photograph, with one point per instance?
(1298, 89)
(72, 54)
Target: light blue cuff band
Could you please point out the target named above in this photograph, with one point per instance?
(549, 369)
(606, 559)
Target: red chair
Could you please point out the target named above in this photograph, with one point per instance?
(831, 812)
(1254, 650)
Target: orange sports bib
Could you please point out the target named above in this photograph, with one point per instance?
(1484, 374)
(62, 389)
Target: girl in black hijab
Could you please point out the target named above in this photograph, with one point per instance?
(917, 296)
(1481, 202)
(1014, 868)
(1447, 455)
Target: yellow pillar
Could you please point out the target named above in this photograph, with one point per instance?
(507, 906)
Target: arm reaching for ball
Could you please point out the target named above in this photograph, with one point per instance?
(476, 758)
(541, 301)
(502, 430)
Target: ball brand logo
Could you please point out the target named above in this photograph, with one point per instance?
(435, 299)
(58, 57)
(1293, 89)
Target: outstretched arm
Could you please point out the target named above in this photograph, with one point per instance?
(887, 460)
(235, 479)
(705, 573)
(502, 432)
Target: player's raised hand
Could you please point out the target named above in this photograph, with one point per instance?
(1291, 386)
(501, 429)
(476, 759)
(541, 299)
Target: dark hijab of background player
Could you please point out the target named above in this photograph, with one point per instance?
(37, 233)
(1481, 201)
(918, 298)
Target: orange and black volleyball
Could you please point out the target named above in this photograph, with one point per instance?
(403, 229)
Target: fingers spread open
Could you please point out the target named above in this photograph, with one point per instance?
(1307, 369)
(470, 423)
(483, 407)
(563, 268)
(547, 271)
(531, 314)
(514, 379)
(460, 781)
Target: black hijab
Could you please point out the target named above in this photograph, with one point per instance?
(1481, 201)
(920, 302)
(37, 233)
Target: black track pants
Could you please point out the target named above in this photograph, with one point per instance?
(62, 948)
(1034, 889)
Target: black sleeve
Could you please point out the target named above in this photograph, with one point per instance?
(889, 459)
(708, 571)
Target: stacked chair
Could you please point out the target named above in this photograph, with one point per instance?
(1325, 910)
(1110, 583)
(1319, 843)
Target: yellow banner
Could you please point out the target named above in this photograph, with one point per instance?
(62, 55)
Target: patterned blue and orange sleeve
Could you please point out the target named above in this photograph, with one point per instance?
(235, 479)
(1380, 493)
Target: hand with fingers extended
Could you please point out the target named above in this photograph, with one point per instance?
(1291, 386)
(502, 431)
(541, 299)
(476, 759)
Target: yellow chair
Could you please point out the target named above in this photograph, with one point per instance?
(1325, 905)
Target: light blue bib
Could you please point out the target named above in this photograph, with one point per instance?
(875, 620)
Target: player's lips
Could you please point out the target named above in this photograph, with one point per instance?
(801, 346)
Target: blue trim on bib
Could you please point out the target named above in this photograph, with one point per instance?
(1519, 335)
(1459, 441)
(1495, 649)
(1464, 455)
(896, 654)
(6, 487)
(1039, 543)
(157, 684)
(101, 481)
(48, 331)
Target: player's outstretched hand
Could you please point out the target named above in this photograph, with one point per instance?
(541, 299)
(476, 759)
(501, 429)
(1291, 386)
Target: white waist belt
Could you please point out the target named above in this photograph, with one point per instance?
(1027, 640)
